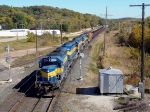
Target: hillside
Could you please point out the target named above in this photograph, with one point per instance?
(45, 17)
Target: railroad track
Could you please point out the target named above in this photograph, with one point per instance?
(134, 107)
(25, 62)
(43, 104)
(17, 97)
(22, 63)
(13, 102)
(57, 92)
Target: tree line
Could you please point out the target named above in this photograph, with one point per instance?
(46, 17)
(135, 38)
(130, 32)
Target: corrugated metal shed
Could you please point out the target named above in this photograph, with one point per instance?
(110, 80)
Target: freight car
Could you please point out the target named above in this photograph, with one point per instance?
(54, 66)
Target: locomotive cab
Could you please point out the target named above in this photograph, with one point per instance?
(49, 74)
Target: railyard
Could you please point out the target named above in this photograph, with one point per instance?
(71, 57)
(76, 95)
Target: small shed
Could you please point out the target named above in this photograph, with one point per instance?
(110, 80)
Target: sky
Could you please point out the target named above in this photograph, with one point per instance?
(115, 8)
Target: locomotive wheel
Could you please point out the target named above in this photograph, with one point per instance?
(40, 92)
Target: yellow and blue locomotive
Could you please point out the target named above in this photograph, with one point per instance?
(53, 67)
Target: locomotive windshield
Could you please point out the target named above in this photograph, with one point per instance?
(46, 61)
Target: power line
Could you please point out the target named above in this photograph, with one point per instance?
(143, 47)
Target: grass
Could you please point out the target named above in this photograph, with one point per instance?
(23, 44)
(6, 37)
(95, 51)
(17, 45)
(64, 108)
(93, 68)
(122, 100)
(31, 56)
(42, 41)
(45, 41)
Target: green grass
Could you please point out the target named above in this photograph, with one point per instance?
(122, 100)
(31, 56)
(43, 41)
(6, 37)
(95, 64)
(93, 68)
(17, 45)
(96, 51)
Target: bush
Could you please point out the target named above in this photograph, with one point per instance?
(31, 37)
(117, 34)
(45, 43)
(90, 46)
(65, 38)
(108, 31)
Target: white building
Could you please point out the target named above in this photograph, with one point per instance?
(23, 32)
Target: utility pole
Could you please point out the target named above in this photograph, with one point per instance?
(105, 34)
(119, 26)
(104, 46)
(22, 28)
(41, 27)
(17, 30)
(53, 31)
(61, 34)
(22, 25)
(36, 41)
(143, 48)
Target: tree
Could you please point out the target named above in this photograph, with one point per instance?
(135, 37)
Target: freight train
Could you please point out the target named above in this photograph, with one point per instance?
(55, 65)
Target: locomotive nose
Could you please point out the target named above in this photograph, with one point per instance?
(49, 68)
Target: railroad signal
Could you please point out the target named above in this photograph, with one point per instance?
(81, 56)
(7, 48)
(7, 59)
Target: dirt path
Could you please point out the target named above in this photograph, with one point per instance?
(14, 54)
(12, 39)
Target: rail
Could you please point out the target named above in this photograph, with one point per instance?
(14, 100)
(45, 102)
